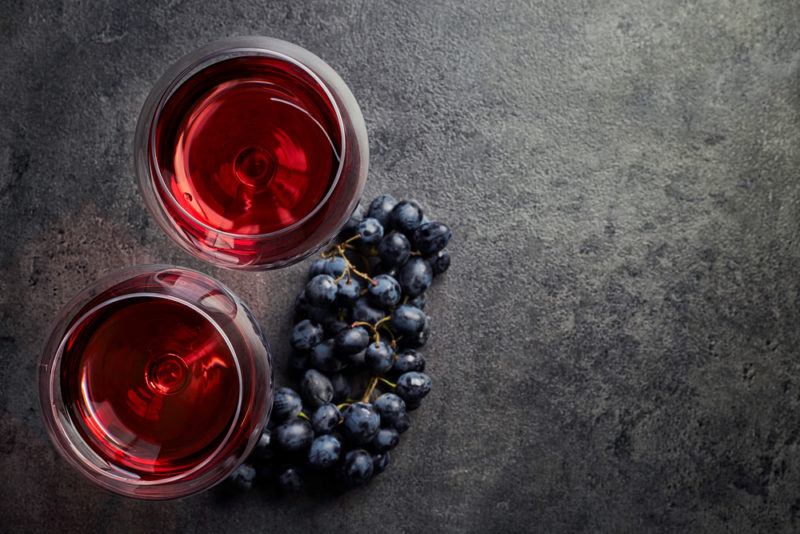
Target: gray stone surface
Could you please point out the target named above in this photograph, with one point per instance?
(616, 346)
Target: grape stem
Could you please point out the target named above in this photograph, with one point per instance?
(388, 383)
(373, 381)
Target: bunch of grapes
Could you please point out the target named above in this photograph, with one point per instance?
(358, 324)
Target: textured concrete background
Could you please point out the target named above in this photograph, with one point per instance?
(616, 346)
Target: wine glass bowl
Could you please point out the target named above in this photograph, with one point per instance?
(156, 382)
(251, 153)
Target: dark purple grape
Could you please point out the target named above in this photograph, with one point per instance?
(394, 249)
(293, 436)
(419, 339)
(378, 358)
(263, 449)
(413, 386)
(361, 423)
(431, 237)
(341, 387)
(286, 404)
(324, 452)
(407, 320)
(370, 232)
(317, 267)
(305, 310)
(324, 359)
(379, 463)
(321, 290)
(357, 468)
(363, 311)
(357, 360)
(242, 478)
(419, 301)
(305, 335)
(334, 325)
(290, 480)
(408, 360)
(381, 207)
(385, 292)
(406, 216)
(348, 290)
(439, 262)
(325, 418)
(316, 387)
(335, 266)
(391, 409)
(351, 340)
(352, 223)
(385, 440)
(416, 276)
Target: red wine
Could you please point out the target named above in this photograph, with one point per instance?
(151, 384)
(247, 146)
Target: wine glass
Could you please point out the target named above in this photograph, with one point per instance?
(251, 153)
(156, 382)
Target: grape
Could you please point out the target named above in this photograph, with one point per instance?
(321, 290)
(335, 266)
(379, 463)
(323, 358)
(333, 326)
(402, 423)
(352, 223)
(385, 292)
(305, 335)
(294, 435)
(394, 249)
(290, 480)
(263, 449)
(408, 360)
(416, 276)
(318, 267)
(324, 452)
(341, 387)
(286, 404)
(363, 311)
(406, 216)
(242, 478)
(417, 340)
(325, 419)
(370, 231)
(431, 237)
(316, 387)
(419, 301)
(361, 423)
(385, 440)
(407, 320)
(348, 290)
(378, 358)
(439, 262)
(357, 468)
(305, 310)
(399, 250)
(413, 386)
(381, 207)
(357, 360)
(391, 408)
(351, 340)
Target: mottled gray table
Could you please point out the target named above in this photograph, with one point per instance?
(616, 345)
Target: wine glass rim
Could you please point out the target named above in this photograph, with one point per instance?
(222, 50)
(87, 463)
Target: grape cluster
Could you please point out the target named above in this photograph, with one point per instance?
(358, 324)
